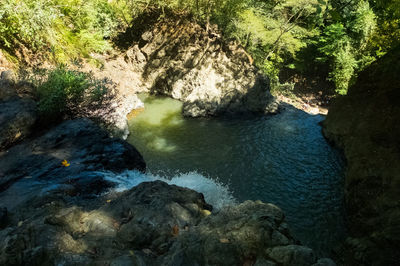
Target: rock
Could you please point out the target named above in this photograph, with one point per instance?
(207, 75)
(8, 77)
(149, 212)
(366, 125)
(80, 142)
(147, 36)
(125, 83)
(292, 255)
(124, 231)
(232, 236)
(16, 120)
(151, 224)
(7, 85)
(7, 91)
(3, 216)
(116, 121)
(264, 262)
(325, 262)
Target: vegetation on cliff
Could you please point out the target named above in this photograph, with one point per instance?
(70, 94)
(333, 38)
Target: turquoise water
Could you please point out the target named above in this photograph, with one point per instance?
(282, 159)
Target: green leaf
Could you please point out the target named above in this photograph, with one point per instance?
(319, 9)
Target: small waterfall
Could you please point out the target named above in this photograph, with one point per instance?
(215, 193)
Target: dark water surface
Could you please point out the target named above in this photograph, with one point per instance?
(282, 159)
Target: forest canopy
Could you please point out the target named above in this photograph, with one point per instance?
(341, 36)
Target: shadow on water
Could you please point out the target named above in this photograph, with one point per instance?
(283, 159)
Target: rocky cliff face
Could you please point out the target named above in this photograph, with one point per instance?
(210, 76)
(178, 58)
(366, 124)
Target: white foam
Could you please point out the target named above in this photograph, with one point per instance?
(215, 193)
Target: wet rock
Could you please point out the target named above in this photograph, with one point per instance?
(85, 147)
(17, 117)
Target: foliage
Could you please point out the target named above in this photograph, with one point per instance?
(68, 93)
(66, 28)
(343, 35)
(345, 41)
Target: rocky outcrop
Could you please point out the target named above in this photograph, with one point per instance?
(180, 59)
(84, 146)
(17, 115)
(366, 124)
(151, 224)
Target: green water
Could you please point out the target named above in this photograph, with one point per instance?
(282, 159)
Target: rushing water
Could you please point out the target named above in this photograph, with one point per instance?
(282, 159)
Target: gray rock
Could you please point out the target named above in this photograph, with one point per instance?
(200, 69)
(9, 77)
(325, 262)
(149, 212)
(264, 262)
(16, 120)
(152, 224)
(7, 91)
(234, 235)
(147, 36)
(292, 255)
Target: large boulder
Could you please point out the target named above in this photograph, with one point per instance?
(85, 147)
(17, 118)
(181, 59)
(366, 124)
(151, 224)
(235, 236)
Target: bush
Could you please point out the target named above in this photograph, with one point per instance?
(58, 29)
(65, 94)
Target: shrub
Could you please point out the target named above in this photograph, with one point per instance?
(64, 93)
(58, 29)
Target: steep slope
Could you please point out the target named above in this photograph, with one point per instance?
(366, 124)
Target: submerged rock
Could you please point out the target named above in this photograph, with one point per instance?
(366, 124)
(151, 224)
